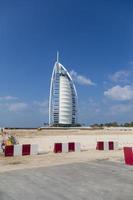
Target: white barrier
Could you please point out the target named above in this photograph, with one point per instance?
(34, 149)
(17, 150)
(64, 147)
(115, 145)
(106, 146)
(77, 147)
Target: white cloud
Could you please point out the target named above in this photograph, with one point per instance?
(14, 104)
(121, 108)
(120, 76)
(81, 79)
(120, 93)
(6, 98)
(89, 110)
(41, 103)
(131, 62)
(42, 106)
(17, 107)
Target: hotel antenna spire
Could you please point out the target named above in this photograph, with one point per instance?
(57, 57)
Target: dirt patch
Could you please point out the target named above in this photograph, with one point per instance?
(15, 163)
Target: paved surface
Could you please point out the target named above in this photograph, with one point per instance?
(100, 180)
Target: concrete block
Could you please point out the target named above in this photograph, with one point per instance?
(128, 155)
(34, 149)
(77, 147)
(57, 147)
(9, 150)
(64, 147)
(106, 146)
(71, 146)
(115, 145)
(18, 150)
(26, 149)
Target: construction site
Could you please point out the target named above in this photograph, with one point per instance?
(77, 162)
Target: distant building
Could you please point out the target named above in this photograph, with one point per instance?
(63, 98)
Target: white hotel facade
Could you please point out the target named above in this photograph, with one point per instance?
(63, 97)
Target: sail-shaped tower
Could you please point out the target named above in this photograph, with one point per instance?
(63, 97)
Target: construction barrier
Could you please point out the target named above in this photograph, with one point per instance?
(25, 149)
(21, 150)
(110, 145)
(128, 155)
(64, 147)
(9, 150)
(67, 147)
(58, 147)
(71, 146)
(77, 147)
(17, 150)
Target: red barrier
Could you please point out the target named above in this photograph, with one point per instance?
(26, 149)
(58, 147)
(9, 150)
(128, 155)
(111, 145)
(71, 146)
(100, 145)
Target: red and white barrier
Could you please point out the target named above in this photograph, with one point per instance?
(128, 155)
(67, 147)
(21, 150)
(110, 145)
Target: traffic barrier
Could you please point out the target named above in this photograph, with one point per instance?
(21, 150)
(64, 147)
(9, 150)
(109, 145)
(34, 149)
(25, 149)
(128, 155)
(77, 147)
(100, 145)
(67, 147)
(58, 147)
(17, 150)
(71, 146)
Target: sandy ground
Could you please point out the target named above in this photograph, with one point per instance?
(69, 132)
(87, 174)
(51, 159)
(87, 138)
(46, 139)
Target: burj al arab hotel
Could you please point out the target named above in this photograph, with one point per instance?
(63, 97)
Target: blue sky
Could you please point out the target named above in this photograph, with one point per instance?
(95, 41)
